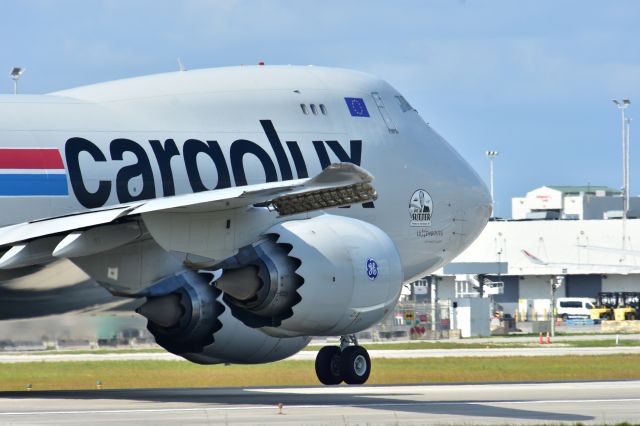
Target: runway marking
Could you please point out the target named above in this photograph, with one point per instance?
(273, 407)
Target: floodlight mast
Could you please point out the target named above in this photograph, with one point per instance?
(555, 283)
(628, 182)
(15, 74)
(622, 106)
(491, 155)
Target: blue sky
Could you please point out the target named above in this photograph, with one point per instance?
(531, 79)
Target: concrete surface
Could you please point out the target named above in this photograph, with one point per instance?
(499, 403)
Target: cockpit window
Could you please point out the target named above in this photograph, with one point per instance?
(404, 105)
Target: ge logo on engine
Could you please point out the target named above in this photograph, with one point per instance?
(372, 269)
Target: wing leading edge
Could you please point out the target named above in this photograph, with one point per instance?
(40, 241)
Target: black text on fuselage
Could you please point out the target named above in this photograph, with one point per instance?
(191, 149)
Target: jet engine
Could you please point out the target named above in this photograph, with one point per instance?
(187, 317)
(328, 275)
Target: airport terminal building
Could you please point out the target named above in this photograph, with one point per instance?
(575, 233)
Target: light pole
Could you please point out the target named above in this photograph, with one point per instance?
(628, 182)
(555, 283)
(622, 106)
(15, 74)
(491, 155)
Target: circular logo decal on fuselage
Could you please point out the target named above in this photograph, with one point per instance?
(420, 208)
(372, 269)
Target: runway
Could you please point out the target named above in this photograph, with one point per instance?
(522, 403)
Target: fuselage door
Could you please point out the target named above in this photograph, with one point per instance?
(391, 125)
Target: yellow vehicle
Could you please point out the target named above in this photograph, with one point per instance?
(605, 304)
(628, 306)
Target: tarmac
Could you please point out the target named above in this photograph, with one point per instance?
(491, 403)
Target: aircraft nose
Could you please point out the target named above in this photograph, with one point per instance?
(478, 206)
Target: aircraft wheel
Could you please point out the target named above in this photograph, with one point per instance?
(328, 365)
(631, 317)
(355, 365)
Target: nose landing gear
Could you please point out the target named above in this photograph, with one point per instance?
(348, 362)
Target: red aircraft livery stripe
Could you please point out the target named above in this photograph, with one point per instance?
(30, 158)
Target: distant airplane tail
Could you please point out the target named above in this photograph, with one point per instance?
(532, 258)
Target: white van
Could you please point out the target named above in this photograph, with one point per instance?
(573, 307)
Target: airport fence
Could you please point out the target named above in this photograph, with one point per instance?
(414, 321)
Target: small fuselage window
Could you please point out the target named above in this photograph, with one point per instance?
(313, 109)
(303, 107)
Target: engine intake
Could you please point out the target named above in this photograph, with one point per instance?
(188, 317)
(261, 281)
(183, 312)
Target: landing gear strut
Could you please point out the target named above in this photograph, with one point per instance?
(348, 362)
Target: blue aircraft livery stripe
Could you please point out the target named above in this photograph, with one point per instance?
(356, 106)
(33, 184)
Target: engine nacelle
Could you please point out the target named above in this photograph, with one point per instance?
(328, 275)
(188, 317)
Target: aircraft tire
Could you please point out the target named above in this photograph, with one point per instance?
(328, 365)
(355, 365)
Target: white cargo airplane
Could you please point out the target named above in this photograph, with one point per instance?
(235, 207)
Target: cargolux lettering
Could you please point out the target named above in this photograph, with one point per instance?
(136, 181)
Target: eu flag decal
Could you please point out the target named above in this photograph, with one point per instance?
(357, 108)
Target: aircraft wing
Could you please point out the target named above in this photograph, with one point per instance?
(339, 184)
(40, 228)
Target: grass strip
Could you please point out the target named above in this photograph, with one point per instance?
(163, 374)
(438, 344)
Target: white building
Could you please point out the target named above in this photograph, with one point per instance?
(525, 255)
(583, 239)
(572, 202)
